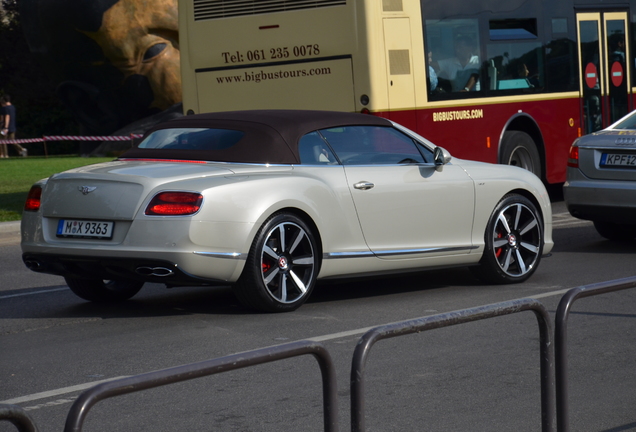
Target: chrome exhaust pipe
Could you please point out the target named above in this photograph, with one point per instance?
(33, 265)
(155, 271)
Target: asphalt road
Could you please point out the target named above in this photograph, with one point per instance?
(480, 376)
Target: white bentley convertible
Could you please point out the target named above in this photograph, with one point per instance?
(272, 201)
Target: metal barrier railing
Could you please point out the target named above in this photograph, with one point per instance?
(448, 319)
(90, 397)
(554, 374)
(560, 339)
(18, 417)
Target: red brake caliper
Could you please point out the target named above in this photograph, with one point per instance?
(499, 250)
(265, 266)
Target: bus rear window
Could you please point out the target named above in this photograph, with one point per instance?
(192, 139)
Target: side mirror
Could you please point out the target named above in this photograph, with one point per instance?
(440, 158)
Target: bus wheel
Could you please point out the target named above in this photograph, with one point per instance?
(518, 149)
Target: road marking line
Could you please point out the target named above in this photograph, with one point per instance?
(551, 293)
(57, 392)
(566, 220)
(332, 336)
(366, 329)
(32, 292)
(341, 334)
(50, 404)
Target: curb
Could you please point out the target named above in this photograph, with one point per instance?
(12, 227)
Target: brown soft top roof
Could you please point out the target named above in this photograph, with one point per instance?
(271, 136)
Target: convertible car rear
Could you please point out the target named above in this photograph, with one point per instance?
(272, 201)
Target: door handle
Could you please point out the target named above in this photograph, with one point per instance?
(364, 185)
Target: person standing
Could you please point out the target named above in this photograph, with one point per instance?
(3, 136)
(3, 147)
(9, 126)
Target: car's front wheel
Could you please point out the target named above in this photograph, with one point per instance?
(282, 266)
(513, 242)
(103, 291)
(615, 231)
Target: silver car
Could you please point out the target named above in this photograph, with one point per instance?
(272, 201)
(601, 179)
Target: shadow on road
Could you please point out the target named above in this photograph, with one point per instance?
(154, 300)
(376, 286)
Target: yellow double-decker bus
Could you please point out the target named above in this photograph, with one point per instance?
(509, 82)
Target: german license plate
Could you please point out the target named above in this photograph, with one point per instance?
(620, 160)
(85, 229)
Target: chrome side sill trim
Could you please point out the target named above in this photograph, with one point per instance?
(364, 254)
(333, 255)
(224, 255)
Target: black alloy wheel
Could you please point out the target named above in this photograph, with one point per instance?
(513, 242)
(282, 266)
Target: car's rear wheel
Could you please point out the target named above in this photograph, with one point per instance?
(282, 266)
(103, 291)
(513, 242)
(615, 231)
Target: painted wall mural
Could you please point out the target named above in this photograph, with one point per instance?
(116, 61)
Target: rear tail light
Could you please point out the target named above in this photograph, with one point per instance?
(175, 204)
(34, 199)
(573, 158)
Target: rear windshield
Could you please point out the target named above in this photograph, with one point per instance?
(627, 123)
(192, 139)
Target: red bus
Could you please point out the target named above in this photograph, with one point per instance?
(504, 82)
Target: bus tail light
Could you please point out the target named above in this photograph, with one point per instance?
(175, 204)
(34, 199)
(573, 158)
